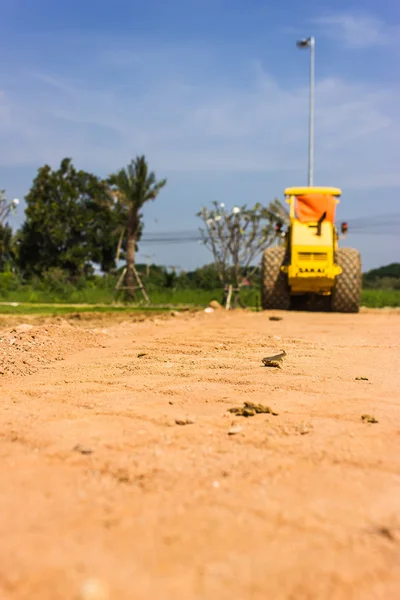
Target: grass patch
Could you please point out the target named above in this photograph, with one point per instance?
(164, 300)
(102, 297)
(68, 309)
(380, 298)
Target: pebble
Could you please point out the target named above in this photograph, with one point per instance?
(234, 430)
(83, 449)
(184, 421)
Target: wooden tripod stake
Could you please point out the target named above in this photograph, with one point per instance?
(119, 287)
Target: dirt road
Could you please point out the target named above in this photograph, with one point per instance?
(103, 494)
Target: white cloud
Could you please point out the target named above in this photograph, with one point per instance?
(358, 30)
(183, 124)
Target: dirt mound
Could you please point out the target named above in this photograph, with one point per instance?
(25, 348)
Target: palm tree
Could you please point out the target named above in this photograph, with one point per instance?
(133, 187)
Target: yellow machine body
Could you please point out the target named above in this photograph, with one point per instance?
(312, 242)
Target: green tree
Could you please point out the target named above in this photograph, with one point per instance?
(69, 223)
(6, 246)
(132, 187)
(205, 277)
(392, 270)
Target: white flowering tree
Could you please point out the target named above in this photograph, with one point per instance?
(237, 237)
(7, 207)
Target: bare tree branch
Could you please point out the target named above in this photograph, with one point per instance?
(237, 238)
(7, 207)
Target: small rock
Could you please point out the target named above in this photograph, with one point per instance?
(275, 318)
(248, 412)
(208, 309)
(361, 378)
(242, 412)
(234, 430)
(215, 305)
(215, 484)
(275, 360)
(249, 409)
(184, 421)
(23, 327)
(303, 428)
(260, 408)
(141, 354)
(83, 449)
(369, 419)
(387, 533)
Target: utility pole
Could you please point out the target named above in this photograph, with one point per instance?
(310, 43)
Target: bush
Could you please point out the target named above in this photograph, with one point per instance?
(56, 281)
(9, 282)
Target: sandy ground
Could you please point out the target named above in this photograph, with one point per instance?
(103, 495)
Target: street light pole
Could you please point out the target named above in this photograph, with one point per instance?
(310, 43)
(311, 133)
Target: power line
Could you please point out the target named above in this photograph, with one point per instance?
(384, 225)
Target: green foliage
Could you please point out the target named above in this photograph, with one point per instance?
(380, 298)
(153, 275)
(54, 287)
(131, 188)
(7, 248)
(9, 282)
(69, 223)
(72, 310)
(205, 278)
(387, 277)
(135, 185)
(392, 270)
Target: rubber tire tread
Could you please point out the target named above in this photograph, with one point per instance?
(275, 291)
(346, 294)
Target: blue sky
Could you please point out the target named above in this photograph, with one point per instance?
(215, 93)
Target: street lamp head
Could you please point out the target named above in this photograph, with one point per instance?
(306, 43)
